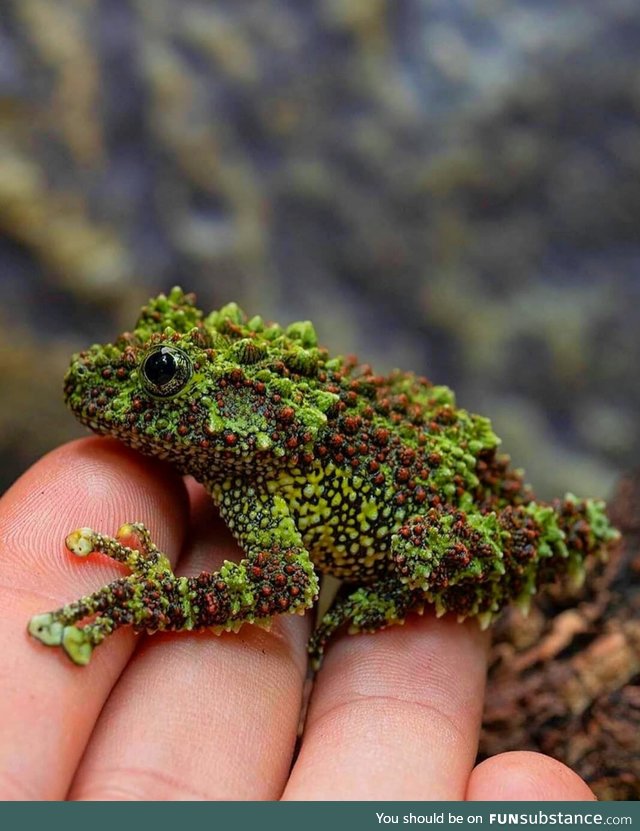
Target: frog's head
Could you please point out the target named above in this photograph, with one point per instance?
(205, 392)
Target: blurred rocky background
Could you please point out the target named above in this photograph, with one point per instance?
(443, 185)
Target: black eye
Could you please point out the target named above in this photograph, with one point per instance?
(165, 371)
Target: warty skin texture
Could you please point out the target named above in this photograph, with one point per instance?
(317, 465)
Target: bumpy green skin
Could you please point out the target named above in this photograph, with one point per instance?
(316, 464)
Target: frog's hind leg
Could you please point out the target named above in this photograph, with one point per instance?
(366, 609)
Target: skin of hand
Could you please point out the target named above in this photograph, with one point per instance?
(392, 716)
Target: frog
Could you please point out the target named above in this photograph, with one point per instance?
(318, 466)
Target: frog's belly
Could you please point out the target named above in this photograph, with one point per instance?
(346, 524)
(343, 557)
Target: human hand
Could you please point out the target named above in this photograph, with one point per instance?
(392, 716)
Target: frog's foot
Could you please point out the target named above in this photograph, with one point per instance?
(109, 609)
(77, 642)
(150, 598)
(365, 610)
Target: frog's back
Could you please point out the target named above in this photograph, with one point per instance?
(394, 446)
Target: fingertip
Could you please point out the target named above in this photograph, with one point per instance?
(398, 711)
(523, 775)
(94, 482)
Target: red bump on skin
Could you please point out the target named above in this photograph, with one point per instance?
(381, 436)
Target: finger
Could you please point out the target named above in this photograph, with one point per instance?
(49, 705)
(197, 716)
(524, 775)
(395, 715)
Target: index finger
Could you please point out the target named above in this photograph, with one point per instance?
(197, 716)
(395, 715)
(49, 706)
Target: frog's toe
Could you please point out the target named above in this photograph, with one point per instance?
(81, 542)
(46, 629)
(77, 644)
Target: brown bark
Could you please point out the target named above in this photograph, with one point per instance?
(566, 680)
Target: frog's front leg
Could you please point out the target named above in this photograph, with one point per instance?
(275, 576)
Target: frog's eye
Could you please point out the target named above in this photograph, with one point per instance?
(165, 371)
